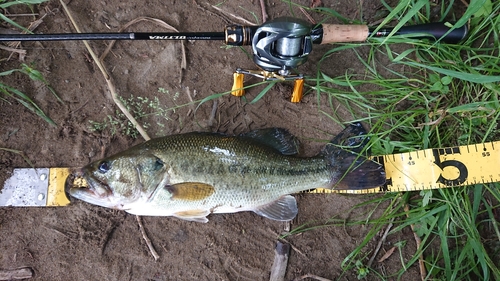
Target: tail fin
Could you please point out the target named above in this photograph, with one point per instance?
(351, 170)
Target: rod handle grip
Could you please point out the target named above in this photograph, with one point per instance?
(336, 33)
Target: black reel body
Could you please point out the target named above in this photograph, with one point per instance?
(282, 44)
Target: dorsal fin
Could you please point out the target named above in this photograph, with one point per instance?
(277, 138)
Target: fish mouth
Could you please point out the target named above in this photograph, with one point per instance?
(86, 188)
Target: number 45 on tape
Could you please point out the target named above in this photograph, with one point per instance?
(437, 168)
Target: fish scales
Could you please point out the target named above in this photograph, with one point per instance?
(241, 171)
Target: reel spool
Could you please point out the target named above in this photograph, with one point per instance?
(282, 44)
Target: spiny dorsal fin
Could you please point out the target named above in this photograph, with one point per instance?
(277, 138)
(283, 209)
(190, 190)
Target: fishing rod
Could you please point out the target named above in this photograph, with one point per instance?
(279, 46)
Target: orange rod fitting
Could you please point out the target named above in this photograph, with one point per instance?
(237, 90)
(298, 90)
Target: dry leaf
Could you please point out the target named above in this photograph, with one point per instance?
(387, 254)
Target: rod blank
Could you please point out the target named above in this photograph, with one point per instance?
(114, 36)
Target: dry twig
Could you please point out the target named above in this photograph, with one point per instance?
(418, 241)
(312, 276)
(16, 44)
(379, 245)
(280, 263)
(387, 254)
(146, 239)
(20, 52)
(308, 16)
(211, 119)
(263, 9)
(242, 20)
(16, 274)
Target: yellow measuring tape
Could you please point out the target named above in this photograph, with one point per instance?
(436, 168)
(410, 171)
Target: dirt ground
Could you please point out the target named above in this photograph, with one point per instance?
(86, 242)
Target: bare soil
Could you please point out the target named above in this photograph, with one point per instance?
(86, 242)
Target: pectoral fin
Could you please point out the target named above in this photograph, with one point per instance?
(193, 215)
(283, 209)
(191, 191)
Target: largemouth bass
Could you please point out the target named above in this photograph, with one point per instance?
(192, 175)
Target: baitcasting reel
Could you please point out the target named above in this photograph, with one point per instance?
(278, 47)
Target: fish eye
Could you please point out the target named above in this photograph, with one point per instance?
(158, 164)
(104, 166)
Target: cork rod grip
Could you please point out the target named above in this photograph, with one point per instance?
(335, 33)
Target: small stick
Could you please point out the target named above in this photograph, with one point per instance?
(379, 245)
(263, 9)
(16, 274)
(146, 239)
(278, 269)
(21, 15)
(311, 276)
(308, 16)
(212, 114)
(418, 241)
(19, 51)
(244, 21)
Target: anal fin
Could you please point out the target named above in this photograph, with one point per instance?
(283, 209)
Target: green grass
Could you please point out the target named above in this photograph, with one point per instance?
(7, 92)
(13, 93)
(446, 96)
(4, 4)
(145, 111)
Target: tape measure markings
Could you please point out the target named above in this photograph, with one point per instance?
(436, 168)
